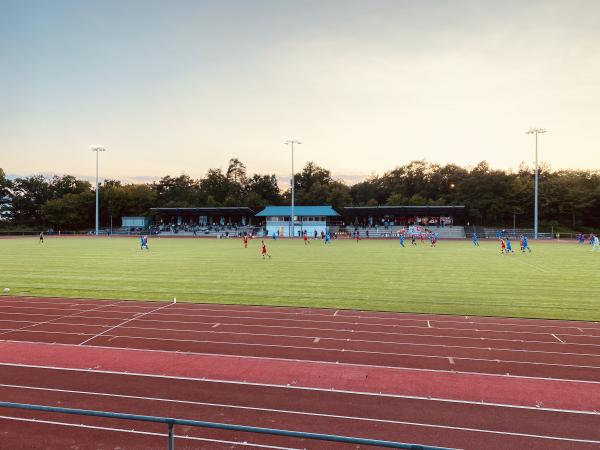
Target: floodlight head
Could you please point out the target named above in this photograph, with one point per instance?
(536, 131)
(292, 141)
(97, 148)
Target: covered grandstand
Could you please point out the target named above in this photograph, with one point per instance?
(383, 221)
(203, 220)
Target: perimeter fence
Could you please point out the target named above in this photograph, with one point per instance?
(170, 422)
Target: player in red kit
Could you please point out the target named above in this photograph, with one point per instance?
(263, 250)
(245, 239)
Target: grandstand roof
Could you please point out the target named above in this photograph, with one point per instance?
(206, 210)
(327, 211)
(418, 210)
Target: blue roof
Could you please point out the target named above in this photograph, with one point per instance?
(327, 211)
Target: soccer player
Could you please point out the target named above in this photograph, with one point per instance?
(413, 239)
(41, 241)
(402, 239)
(525, 244)
(433, 239)
(595, 244)
(502, 245)
(357, 236)
(475, 240)
(508, 246)
(263, 250)
(245, 239)
(327, 238)
(305, 237)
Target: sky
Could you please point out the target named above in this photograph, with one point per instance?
(180, 87)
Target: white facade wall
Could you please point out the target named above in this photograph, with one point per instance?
(282, 226)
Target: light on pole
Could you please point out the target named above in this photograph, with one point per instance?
(536, 131)
(97, 149)
(291, 143)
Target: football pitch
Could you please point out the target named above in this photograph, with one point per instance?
(556, 280)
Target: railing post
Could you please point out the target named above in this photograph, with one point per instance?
(171, 437)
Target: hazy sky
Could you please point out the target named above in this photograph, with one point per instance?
(172, 87)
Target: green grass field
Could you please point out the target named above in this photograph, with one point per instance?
(557, 280)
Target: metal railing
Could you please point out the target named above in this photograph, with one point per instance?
(170, 422)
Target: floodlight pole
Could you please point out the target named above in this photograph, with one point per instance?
(536, 131)
(291, 142)
(97, 149)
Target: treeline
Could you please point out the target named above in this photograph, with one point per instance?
(570, 198)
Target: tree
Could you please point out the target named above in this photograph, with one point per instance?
(178, 191)
(5, 196)
(236, 171)
(29, 194)
(265, 187)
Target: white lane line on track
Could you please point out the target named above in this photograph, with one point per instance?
(356, 322)
(214, 326)
(298, 347)
(123, 323)
(383, 315)
(265, 358)
(336, 312)
(55, 319)
(360, 324)
(558, 339)
(146, 433)
(315, 340)
(305, 388)
(337, 330)
(257, 409)
(406, 423)
(428, 324)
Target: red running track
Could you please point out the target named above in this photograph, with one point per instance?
(311, 370)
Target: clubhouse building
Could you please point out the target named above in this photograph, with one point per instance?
(306, 218)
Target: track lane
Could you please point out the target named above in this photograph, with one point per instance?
(384, 417)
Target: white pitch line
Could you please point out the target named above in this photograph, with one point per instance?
(558, 339)
(532, 265)
(315, 340)
(123, 323)
(336, 312)
(146, 433)
(428, 324)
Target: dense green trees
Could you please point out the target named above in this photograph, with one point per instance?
(493, 197)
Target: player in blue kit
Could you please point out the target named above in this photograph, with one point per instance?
(524, 244)
(508, 246)
(475, 240)
(144, 243)
(402, 239)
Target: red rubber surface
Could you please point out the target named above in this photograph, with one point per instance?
(552, 364)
